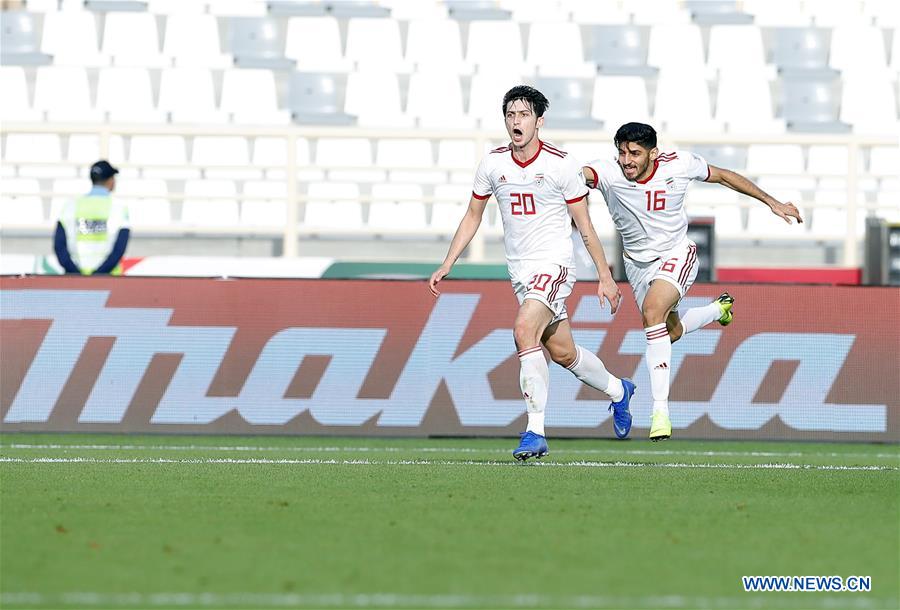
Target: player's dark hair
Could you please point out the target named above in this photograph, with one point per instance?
(529, 95)
(639, 133)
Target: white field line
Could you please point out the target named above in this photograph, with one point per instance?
(290, 449)
(85, 599)
(367, 462)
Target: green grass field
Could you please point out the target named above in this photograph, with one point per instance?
(138, 521)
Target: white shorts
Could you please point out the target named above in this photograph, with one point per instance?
(678, 266)
(550, 284)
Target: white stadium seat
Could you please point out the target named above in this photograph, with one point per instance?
(444, 111)
(374, 44)
(829, 215)
(315, 44)
(15, 106)
(856, 46)
(404, 153)
(188, 95)
(736, 47)
(388, 211)
(147, 199)
(193, 40)
(555, 49)
(619, 100)
(495, 46)
(335, 154)
(132, 39)
(744, 102)
(198, 210)
(676, 46)
(333, 205)
(682, 102)
(66, 189)
(381, 109)
(24, 208)
(32, 151)
(63, 92)
(127, 96)
(434, 46)
(774, 159)
(486, 97)
(251, 98)
(230, 153)
(168, 151)
(869, 102)
(269, 212)
(762, 223)
(71, 38)
(884, 160)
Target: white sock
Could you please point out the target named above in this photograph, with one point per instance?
(698, 317)
(659, 356)
(589, 369)
(534, 379)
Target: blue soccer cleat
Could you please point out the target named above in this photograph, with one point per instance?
(621, 414)
(531, 445)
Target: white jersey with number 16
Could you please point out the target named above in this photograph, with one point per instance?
(650, 214)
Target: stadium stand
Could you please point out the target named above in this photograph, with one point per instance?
(392, 103)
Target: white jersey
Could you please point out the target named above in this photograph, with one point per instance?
(650, 214)
(533, 197)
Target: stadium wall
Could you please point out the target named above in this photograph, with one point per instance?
(360, 357)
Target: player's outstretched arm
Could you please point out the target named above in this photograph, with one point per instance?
(466, 230)
(739, 183)
(608, 289)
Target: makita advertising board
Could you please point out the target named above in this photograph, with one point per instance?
(385, 358)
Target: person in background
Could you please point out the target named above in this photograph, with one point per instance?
(92, 231)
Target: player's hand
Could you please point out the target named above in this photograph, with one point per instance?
(609, 290)
(436, 277)
(786, 211)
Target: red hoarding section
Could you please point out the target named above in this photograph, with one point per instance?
(385, 358)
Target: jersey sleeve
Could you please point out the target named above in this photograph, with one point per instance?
(482, 187)
(572, 181)
(602, 168)
(695, 166)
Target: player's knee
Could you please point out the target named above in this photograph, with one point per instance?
(563, 357)
(524, 334)
(653, 315)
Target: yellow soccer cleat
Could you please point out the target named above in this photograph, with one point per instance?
(725, 302)
(660, 427)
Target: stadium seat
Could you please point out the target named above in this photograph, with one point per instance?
(619, 100)
(720, 203)
(775, 159)
(148, 202)
(333, 205)
(358, 9)
(829, 160)
(434, 46)
(84, 149)
(19, 43)
(829, 215)
(388, 209)
(20, 203)
(64, 190)
(682, 102)
(193, 41)
(132, 39)
(63, 92)
(888, 206)
(676, 46)
(198, 210)
(188, 95)
(555, 49)
(744, 102)
(414, 10)
(175, 7)
(269, 212)
(444, 111)
(381, 110)
(15, 106)
(570, 102)
(725, 156)
(618, 49)
(459, 158)
(655, 12)
(347, 159)
(734, 47)
(784, 13)
(374, 45)
(474, 10)
(166, 151)
(811, 103)
(831, 14)
(800, 48)
(599, 12)
(257, 42)
(127, 96)
(483, 51)
(763, 224)
(224, 157)
(251, 98)
(318, 98)
(238, 8)
(412, 159)
(31, 152)
(857, 47)
(717, 12)
(884, 160)
(71, 38)
(315, 44)
(446, 215)
(869, 102)
(486, 97)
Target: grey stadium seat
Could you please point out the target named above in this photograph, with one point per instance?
(570, 102)
(471, 10)
(318, 98)
(728, 157)
(812, 103)
(795, 49)
(716, 12)
(258, 42)
(618, 49)
(354, 8)
(21, 44)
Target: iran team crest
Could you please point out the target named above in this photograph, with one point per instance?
(539, 179)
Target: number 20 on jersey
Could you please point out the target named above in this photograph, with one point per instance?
(522, 204)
